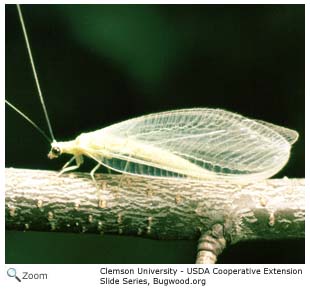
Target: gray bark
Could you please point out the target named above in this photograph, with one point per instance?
(216, 211)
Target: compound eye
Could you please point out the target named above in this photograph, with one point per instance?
(56, 151)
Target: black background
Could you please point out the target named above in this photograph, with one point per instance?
(101, 64)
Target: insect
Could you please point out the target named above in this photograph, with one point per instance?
(200, 143)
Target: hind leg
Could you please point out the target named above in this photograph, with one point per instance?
(124, 175)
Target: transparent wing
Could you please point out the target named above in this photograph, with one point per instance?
(199, 143)
(290, 135)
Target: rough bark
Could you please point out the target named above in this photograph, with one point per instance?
(216, 211)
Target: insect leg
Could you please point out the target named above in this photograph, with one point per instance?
(92, 173)
(79, 161)
(70, 161)
(123, 175)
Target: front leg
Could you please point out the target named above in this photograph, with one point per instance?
(68, 163)
(78, 159)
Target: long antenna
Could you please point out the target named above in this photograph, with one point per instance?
(30, 121)
(35, 76)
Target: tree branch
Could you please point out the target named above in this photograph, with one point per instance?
(216, 211)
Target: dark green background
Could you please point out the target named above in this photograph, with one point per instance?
(101, 64)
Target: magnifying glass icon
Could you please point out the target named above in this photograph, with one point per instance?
(12, 273)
